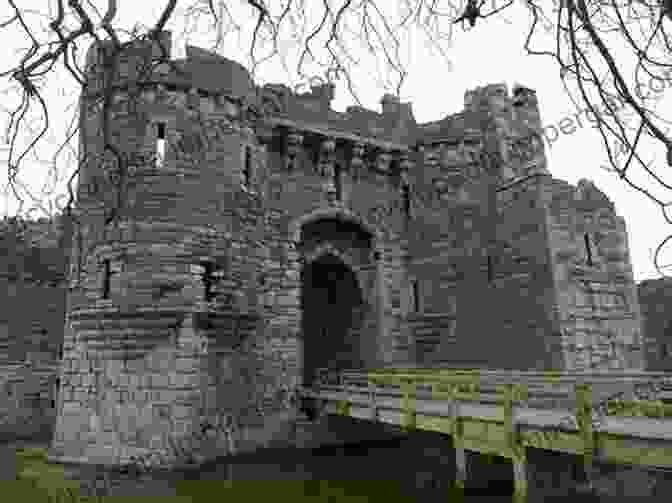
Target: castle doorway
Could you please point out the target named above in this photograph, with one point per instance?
(333, 310)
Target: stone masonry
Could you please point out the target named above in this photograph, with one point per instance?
(655, 297)
(258, 235)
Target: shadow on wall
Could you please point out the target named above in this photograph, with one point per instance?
(27, 401)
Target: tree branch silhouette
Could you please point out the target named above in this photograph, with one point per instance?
(328, 35)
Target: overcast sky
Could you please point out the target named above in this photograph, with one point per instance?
(492, 52)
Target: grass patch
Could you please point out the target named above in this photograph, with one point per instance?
(39, 481)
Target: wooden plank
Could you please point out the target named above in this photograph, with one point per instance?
(552, 440)
(633, 451)
(479, 428)
(440, 424)
(484, 446)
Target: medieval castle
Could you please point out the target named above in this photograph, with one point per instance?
(258, 235)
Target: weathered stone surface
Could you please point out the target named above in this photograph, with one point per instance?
(655, 297)
(236, 266)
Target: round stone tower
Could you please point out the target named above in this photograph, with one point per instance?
(166, 249)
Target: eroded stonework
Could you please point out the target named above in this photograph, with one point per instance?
(655, 297)
(211, 274)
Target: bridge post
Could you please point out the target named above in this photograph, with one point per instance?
(458, 445)
(409, 391)
(584, 420)
(517, 450)
(372, 398)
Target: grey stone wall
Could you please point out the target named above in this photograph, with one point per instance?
(655, 298)
(596, 297)
(185, 286)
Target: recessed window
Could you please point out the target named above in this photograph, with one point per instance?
(491, 273)
(107, 274)
(208, 278)
(415, 296)
(160, 143)
(338, 182)
(247, 166)
(589, 251)
(406, 199)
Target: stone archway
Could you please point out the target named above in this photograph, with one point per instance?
(333, 313)
(339, 299)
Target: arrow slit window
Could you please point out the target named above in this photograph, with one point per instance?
(338, 183)
(247, 166)
(208, 280)
(160, 143)
(406, 199)
(589, 251)
(107, 273)
(414, 294)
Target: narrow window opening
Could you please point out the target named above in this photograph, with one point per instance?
(160, 143)
(107, 273)
(247, 166)
(589, 252)
(406, 198)
(208, 280)
(338, 185)
(490, 269)
(415, 294)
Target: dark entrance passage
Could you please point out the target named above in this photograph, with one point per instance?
(333, 308)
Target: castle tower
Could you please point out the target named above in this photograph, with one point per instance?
(166, 251)
(600, 324)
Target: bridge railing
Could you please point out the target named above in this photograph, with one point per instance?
(576, 420)
(634, 393)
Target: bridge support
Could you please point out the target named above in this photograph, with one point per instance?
(460, 467)
(520, 481)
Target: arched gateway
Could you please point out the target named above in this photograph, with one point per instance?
(339, 325)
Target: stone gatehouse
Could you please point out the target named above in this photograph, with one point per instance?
(258, 235)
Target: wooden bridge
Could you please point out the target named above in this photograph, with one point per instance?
(613, 417)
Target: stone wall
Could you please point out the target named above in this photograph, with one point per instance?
(187, 277)
(32, 288)
(27, 399)
(32, 300)
(596, 298)
(655, 298)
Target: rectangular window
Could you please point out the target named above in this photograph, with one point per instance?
(338, 182)
(208, 280)
(160, 143)
(247, 167)
(406, 198)
(491, 272)
(415, 296)
(589, 252)
(107, 273)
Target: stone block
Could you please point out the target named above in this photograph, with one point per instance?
(160, 381)
(134, 381)
(86, 380)
(188, 364)
(182, 427)
(182, 411)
